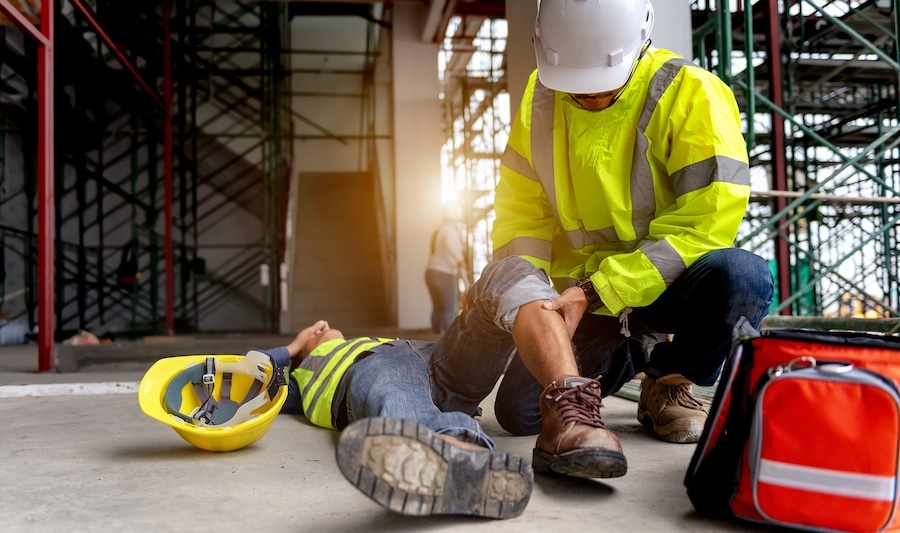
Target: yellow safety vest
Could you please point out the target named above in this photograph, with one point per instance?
(630, 195)
(320, 372)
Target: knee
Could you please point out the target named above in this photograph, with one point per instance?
(516, 421)
(516, 404)
(499, 275)
(747, 282)
(512, 262)
(754, 278)
(743, 270)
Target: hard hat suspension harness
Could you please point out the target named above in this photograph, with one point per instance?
(225, 411)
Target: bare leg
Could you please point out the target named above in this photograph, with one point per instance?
(573, 440)
(543, 343)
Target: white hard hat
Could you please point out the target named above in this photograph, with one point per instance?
(589, 46)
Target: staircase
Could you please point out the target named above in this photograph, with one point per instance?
(336, 271)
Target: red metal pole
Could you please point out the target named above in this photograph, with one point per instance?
(167, 162)
(779, 177)
(45, 196)
(46, 205)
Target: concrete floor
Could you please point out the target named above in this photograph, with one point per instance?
(78, 454)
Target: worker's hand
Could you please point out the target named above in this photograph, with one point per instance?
(295, 347)
(571, 304)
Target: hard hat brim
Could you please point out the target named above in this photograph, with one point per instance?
(583, 80)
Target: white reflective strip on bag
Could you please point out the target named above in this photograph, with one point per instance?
(865, 486)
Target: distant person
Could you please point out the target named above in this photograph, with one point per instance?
(446, 266)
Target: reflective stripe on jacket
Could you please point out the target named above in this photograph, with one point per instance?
(319, 374)
(630, 195)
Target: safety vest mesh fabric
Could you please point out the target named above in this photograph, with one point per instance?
(630, 195)
(319, 374)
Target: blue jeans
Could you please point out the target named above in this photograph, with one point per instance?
(699, 309)
(393, 381)
(444, 291)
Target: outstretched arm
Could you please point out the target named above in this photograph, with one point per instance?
(310, 337)
(295, 347)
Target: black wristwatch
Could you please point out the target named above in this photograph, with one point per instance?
(590, 293)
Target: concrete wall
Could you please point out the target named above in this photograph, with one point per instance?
(672, 27)
(520, 61)
(328, 106)
(419, 136)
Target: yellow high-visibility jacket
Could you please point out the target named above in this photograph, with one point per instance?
(319, 374)
(630, 195)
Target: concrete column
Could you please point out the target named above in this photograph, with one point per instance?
(418, 135)
(520, 62)
(672, 26)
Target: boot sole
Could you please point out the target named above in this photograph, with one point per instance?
(584, 462)
(407, 468)
(668, 433)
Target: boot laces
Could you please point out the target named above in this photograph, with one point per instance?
(580, 404)
(680, 395)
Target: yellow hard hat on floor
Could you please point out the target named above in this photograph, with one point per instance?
(195, 395)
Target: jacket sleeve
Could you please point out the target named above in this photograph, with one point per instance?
(524, 224)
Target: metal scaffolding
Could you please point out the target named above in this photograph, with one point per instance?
(818, 81)
(476, 117)
(113, 237)
(146, 164)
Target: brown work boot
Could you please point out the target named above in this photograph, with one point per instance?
(669, 410)
(573, 439)
(409, 469)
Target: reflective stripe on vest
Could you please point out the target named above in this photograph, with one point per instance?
(319, 374)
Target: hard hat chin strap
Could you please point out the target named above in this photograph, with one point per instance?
(634, 67)
(204, 414)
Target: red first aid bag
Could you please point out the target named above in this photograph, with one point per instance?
(803, 432)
